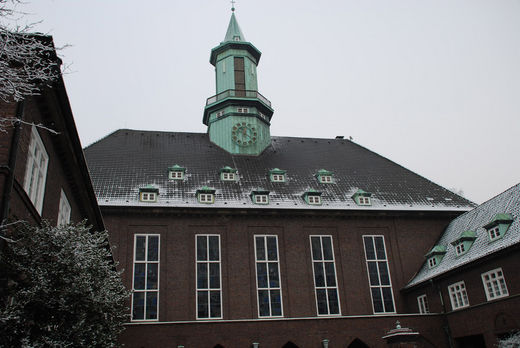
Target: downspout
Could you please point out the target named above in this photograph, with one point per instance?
(446, 324)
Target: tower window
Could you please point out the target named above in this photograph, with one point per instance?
(236, 38)
(220, 113)
(243, 110)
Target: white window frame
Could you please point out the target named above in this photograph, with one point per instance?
(261, 199)
(243, 110)
(36, 170)
(494, 233)
(422, 303)
(146, 262)
(176, 175)
(208, 289)
(277, 177)
(63, 210)
(362, 200)
(326, 179)
(220, 113)
(432, 262)
(206, 198)
(494, 284)
(269, 288)
(322, 261)
(314, 199)
(228, 176)
(458, 295)
(377, 260)
(460, 249)
(148, 196)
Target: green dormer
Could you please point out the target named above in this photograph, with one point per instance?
(176, 172)
(498, 227)
(324, 176)
(435, 255)
(148, 193)
(238, 116)
(260, 196)
(228, 174)
(362, 197)
(277, 175)
(206, 195)
(464, 242)
(312, 197)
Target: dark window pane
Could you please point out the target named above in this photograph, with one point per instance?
(152, 276)
(261, 269)
(377, 300)
(202, 246)
(316, 248)
(214, 297)
(276, 303)
(388, 300)
(380, 248)
(140, 242)
(138, 306)
(330, 274)
(327, 248)
(321, 297)
(214, 275)
(369, 248)
(214, 253)
(372, 273)
(202, 276)
(333, 301)
(139, 270)
(272, 252)
(239, 63)
(151, 305)
(260, 249)
(383, 272)
(202, 304)
(153, 248)
(274, 280)
(319, 277)
(263, 302)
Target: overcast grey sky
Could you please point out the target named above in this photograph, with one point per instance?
(433, 85)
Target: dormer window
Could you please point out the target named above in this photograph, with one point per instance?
(243, 110)
(206, 195)
(148, 194)
(277, 175)
(260, 196)
(324, 176)
(236, 38)
(176, 172)
(228, 174)
(498, 227)
(435, 255)
(464, 242)
(312, 197)
(362, 198)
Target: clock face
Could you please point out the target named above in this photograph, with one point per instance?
(243, 134)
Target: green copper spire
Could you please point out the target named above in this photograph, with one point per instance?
(233, 32)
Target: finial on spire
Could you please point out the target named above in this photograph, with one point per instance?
(232, 5)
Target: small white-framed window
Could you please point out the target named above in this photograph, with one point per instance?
(206, 198)
(243, 110)
(326, 179)
(422, 303)
(36, 170)
(228, 176)
(324, 271)
(316, 200)
(145, 283)
(148, 196)
(432, 262)
(458, 295)
(494, 284)
(176, 175)
(363, 200)
(278, 177)
(208, 277)
(261, 199)
(220, 113)
(460, 249)
(64, 210)
(494, 233)
(268, 284)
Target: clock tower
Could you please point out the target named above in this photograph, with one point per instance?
(238, 116)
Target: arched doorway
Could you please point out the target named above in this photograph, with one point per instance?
(218, 346)
(290, 345)
(357, 343)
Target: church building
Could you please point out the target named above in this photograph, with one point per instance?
(238, 238)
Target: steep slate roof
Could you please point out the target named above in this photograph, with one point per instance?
(475, 220)
(127, 160)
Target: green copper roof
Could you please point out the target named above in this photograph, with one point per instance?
(361, 192)
(466, 235)
(233, 32)
(177, 168)
(501, 218)
(228, 169)
(149, 188)
(312, 192)
(438, 249)
(277, 171)
(206, 189)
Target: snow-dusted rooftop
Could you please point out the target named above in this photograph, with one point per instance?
(127, 160)
(507, 202)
